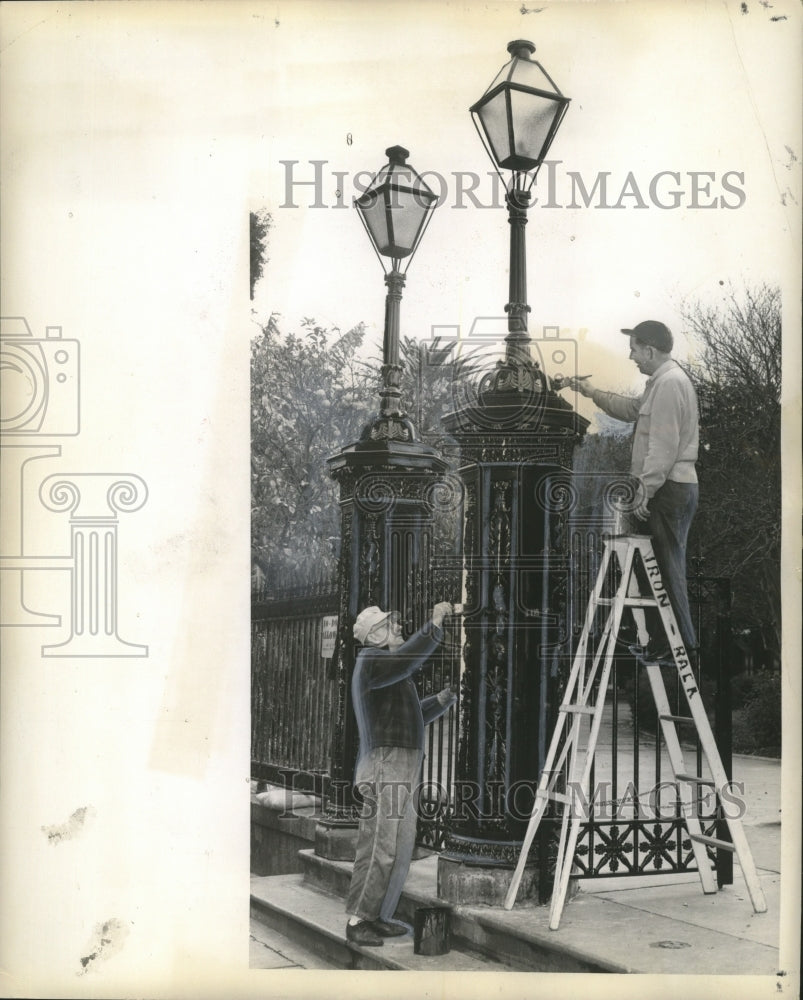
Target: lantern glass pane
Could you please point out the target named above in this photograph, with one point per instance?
(501, 76)
(527, 73)
(407, 213)
(395, 208)
(406, 178)
(372, 208)
(493, 118)
(532, 120)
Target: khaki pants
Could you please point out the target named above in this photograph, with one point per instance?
(387, 778)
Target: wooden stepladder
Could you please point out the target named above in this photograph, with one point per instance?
(639, 587)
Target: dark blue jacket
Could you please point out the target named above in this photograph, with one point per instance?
(389, 712)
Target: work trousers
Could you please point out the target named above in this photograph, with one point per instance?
(671, 512)
(387, 778)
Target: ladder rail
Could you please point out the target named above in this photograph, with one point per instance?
(549, 776)
(570, 827)
(707, 741)
(566, 855)
(675, 752)
(581, 682)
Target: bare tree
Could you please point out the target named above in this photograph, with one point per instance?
(737, 373)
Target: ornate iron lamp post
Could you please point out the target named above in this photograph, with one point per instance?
(517, 118)
(395, 210)
(516, 442)
(387, 486)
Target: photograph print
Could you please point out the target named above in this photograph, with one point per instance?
(517, 633)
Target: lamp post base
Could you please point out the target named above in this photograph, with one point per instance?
(483, 885)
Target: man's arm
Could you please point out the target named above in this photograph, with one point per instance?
(384, 666)
(436, 705)
(621, 407)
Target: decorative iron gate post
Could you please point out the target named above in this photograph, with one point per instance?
(516, 441)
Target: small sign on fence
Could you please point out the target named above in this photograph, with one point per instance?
(328, 633)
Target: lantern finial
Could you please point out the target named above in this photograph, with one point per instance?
(521, 48)
(397, 155)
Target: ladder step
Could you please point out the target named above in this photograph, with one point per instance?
(578, 709)
(542, 793)
(695, 779)
(676, 718)
(629, 602)
(701, 838)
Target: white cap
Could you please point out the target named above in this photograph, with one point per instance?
(366, 620)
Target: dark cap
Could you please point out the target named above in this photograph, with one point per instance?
(652, 334)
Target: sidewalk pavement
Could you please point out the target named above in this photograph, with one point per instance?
(649, 924)
(268, 949)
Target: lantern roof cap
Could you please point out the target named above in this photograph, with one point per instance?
(521, 47)
(397, 154)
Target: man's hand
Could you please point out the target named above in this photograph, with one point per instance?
(642, 509)
(440, 611)
(584, 386)
(447, 696)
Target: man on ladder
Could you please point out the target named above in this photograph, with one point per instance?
(665, 444)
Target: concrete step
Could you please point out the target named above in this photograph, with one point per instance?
(334, 877)
(521, 940)
(268, 949)
(515, 940)
(316, 922)
(661, 924)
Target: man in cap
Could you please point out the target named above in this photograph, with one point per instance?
(390, 721)
(665, 443)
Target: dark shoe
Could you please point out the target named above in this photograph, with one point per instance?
(388, 928)
(661, 655)
(363, 933)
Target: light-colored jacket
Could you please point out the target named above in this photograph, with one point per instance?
(667, 432)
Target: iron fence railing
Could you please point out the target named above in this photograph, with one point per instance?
(292, 689)
(293, 701)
